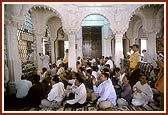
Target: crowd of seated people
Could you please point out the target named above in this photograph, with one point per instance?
(98, 82)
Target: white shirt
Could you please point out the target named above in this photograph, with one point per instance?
(130, 52)
(53, 71)
(45, 61)
(71, 81)
(110, 63)
(22, 88)
(31, 57)
(147, 58)
(95, 74)
(120, 82)
(146, 94)
(58, 62)
(80, 95)
(57, 92)
(92, 61)
(73, 88)
(106, 91)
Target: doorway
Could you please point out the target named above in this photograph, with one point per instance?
(92, 41)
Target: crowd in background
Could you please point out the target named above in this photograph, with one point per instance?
(97, 81)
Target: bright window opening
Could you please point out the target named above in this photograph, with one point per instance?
(143, 45)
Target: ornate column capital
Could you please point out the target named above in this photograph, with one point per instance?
(119, 31)
(149, 31)
(14, 15)
(151, 34)
(71, 31)
(17, 22)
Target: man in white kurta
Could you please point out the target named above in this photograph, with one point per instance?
(45, 61)
(109, 61)
(80, 95)
(22, 87)
(142, 92)
(55, 95)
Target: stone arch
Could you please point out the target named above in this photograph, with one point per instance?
(51, 22)
(49, 13)
(138, 13)
(138, 17)
(154, 15)
(94, 14)
(53, 13)
(100, 14)
(104, 33)
(47, 7)
(134, 25)
(159, 14)
(159, 19)
(138, 27)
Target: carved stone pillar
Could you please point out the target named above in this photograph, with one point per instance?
(39, 50)
(118, 49)
(79, 44)
(52, 51)
(14, 62)
(107, 47)
(151, 46)
(39, 30)
(72, 51)
(79, 48)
